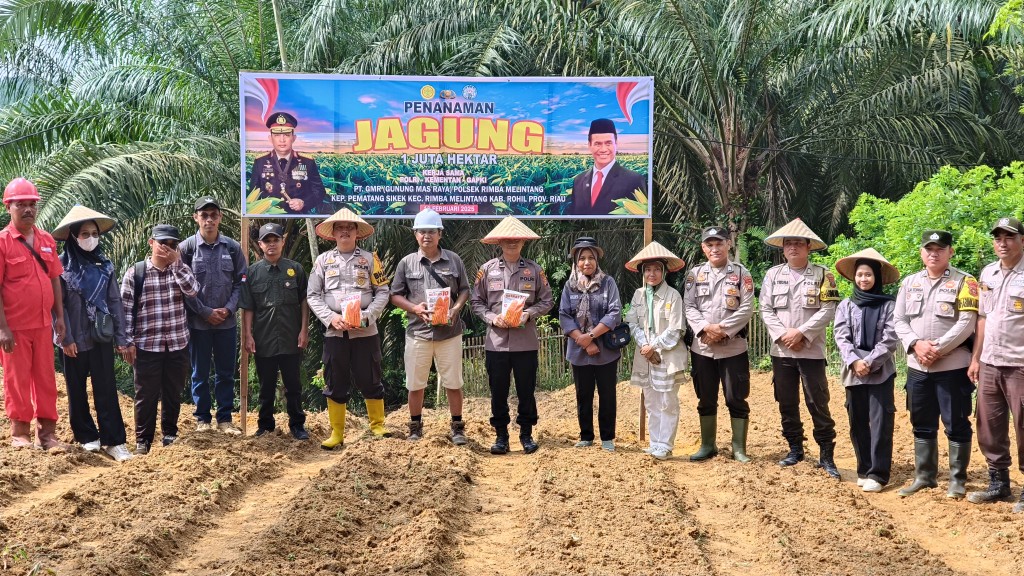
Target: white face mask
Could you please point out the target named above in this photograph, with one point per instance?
(88, 244)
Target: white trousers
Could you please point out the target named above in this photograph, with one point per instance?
(662, 417)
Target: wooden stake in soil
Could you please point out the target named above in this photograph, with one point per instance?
(243, 386)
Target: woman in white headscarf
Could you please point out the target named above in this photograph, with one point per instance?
(657, 322)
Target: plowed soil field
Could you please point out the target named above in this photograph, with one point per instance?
(215, 505)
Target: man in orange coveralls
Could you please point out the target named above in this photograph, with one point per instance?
(30, 278)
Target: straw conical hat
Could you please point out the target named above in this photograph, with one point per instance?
(325, 229)
(655, 251)
(80, 213)
(795, 229)
(847, 267)
(509, 229)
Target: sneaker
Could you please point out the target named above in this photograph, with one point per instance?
(649, 449)
(141, 448)
(93, 446)
(204, 427)
(229, 428)
(119, 453)
(263, 432)
(608, 445)
(168, 439)
(871, 485)
(661, 453)
(583, 444)
(299, 432)
(861, 482)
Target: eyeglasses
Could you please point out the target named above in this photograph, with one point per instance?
(169, 243)
(84, 235)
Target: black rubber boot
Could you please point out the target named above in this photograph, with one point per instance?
(526, 439)
(501, 442)
(926, 466)
(739, 439)
(708, 430)
(959, 458)
(796, 454)
(826, 460)
(998, 488)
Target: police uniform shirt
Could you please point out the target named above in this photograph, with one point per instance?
(493, 278)
(722, 296)
(942, 311)
(1002, 307)
(274, 293)
(413, 278)
(300, 179)
(805, 301)
(336, 275)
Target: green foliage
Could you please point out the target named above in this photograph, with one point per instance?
(964, 203)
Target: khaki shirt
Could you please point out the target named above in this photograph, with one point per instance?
(413, 278)
(722, 296)
(806, 302)
(336, 275)
(941, 310)
(493, 278)
(1002, 307)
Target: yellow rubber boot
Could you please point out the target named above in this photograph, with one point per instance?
(375, 412)
(336, 416)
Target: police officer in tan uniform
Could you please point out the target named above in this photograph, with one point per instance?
(997, 365)
(935, 313)
(511, 349)
(351, 350)
(798, 302)
(719, 302)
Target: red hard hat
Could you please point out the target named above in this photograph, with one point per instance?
(20, 189)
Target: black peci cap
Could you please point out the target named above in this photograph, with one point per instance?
(602, 126)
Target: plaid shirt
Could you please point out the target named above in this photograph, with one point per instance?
(162, 325)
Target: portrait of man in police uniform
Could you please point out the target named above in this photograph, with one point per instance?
(284, 173)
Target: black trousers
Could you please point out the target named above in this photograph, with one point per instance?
(349, 361)
(945, 395)
(872, 411)
(267, 369)
(500, 368)
(733, 373)
(587, 378)
(787, 375)
(97, 362)
(159, 377)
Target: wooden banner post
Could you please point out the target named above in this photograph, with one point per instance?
(642, 412)
(243, 385)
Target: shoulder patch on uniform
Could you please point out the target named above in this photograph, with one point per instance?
(967, 299)
(829, 292)
(543, 276)
(748, 283)
(380, 278)
(479, 275)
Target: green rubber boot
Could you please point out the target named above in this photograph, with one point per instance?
(739, 440)
(708, 428)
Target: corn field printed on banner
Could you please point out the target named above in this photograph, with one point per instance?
(470, 147)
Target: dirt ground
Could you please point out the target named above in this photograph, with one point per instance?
(212, 505)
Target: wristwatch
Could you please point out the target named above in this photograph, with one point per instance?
(591, 334)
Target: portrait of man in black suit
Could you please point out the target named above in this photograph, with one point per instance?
(286, 174)
(594, 190)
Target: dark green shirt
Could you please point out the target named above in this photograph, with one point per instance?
(275, 294)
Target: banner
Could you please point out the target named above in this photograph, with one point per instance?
(389, 146)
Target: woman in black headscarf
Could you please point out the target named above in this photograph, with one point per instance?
(865, 332)
(91, 293)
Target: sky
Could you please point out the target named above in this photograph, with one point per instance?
(327, 107)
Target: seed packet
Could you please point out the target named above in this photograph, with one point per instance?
(512, 305)
(439, 301)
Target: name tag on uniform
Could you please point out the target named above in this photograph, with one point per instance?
(46, 249)
(495, 285)
(225, 256)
